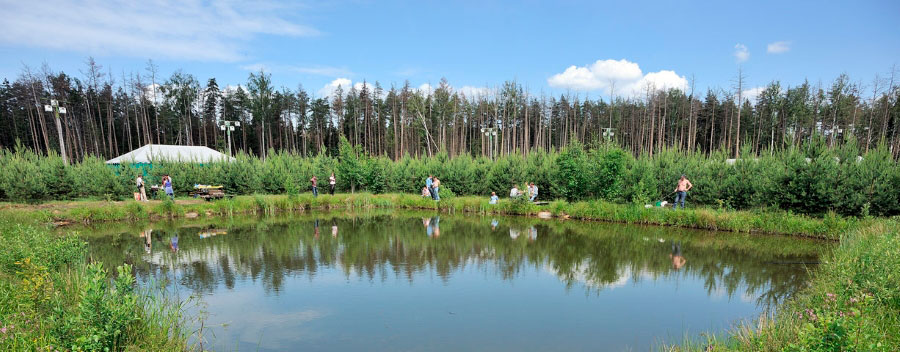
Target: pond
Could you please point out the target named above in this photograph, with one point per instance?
(385, 280)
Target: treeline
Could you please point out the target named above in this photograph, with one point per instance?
(110, 113)
(811, 178)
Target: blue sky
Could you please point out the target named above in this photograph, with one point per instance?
(550, 47)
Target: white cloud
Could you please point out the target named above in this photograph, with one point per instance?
(328, 90)
(664, 79)
(317, 70)
(622, 76)
(752, 93)
(426, 88)
(778, 47)
(257, 68)
(371, 87)
(192, 30)
(346, 84)
(471, 92)
(323, 70)
(741, 53)
(234, 88)
(151, 91)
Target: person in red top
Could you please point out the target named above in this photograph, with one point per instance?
(315, 188)
(684, 185)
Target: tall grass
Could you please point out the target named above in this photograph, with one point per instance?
(853, 303)
(52, 299)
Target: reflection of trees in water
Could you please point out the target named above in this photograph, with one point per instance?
(596, 256)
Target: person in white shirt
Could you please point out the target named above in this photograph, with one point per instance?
(331, 182)
(514, 192)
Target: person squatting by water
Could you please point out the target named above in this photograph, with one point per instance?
(684, 185)
(331, 182)
(315, 189)
(515, 192)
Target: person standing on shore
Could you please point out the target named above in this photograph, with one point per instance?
(168, 187)
(436, 187)
(141, 189)
(429, 182)
(534, 191)
(681, 189)
(494, 198)
(315, 188)
(331, 182)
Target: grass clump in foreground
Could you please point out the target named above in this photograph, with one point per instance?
(853, 303)
(52, 299)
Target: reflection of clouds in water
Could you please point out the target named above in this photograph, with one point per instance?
(578, 273)
(277, 330)
(267, 327)
(208, 254)
(717, 293)
(749, 297)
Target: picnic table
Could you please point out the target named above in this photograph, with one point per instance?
(208, 192)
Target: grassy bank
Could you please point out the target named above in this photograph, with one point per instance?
(763, 221)
(52, 299)
(853, 301)
(852, 304)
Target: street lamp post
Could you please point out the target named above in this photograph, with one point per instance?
(490, 132)
(56, 109)
(608, 133)
(228, 126)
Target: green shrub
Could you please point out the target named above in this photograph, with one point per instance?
(809, 179)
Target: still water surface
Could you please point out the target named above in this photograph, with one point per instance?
(420, 281)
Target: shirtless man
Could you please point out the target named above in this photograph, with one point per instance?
(681, 191)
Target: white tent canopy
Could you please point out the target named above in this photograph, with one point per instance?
(172, 153)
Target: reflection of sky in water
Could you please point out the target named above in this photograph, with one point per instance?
(473, 310)
(388, 285)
